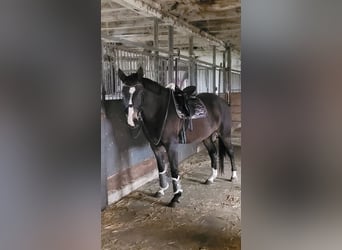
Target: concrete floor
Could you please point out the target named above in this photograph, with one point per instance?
(208, 217)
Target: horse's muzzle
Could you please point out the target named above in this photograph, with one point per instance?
(137, 119)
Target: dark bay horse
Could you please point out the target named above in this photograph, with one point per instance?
(151, 106)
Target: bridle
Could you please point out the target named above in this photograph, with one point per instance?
(156, 142)
(140, 116)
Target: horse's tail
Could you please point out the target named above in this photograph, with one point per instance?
(222, 153)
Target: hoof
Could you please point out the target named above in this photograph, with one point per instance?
(172, 204)
(158, 195)
(233, 179)
(208, 182)
(175, 199)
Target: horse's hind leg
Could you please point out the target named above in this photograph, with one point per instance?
(173, 159)
(210, 146)
(162, 168)
(230, 151)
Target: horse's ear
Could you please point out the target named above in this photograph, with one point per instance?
(140, 73)
(122, 75)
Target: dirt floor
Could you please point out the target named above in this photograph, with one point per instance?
(208, 216)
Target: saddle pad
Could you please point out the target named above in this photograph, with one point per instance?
(197, 108)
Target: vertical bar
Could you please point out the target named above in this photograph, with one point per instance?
(191, 64)
(224, 75)
(171, 77)
(156, 45)
(214, 69)
(220, 80)
(229, 70)
(207, 78)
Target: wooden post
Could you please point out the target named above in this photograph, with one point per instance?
(171, 76)
(191, 61)
(219, 85)
(224, 75)
(229, 65)
(214, 69)
(156, 45)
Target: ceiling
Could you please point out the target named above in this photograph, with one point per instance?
(210, 22)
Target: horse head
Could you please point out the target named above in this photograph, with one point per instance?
(132, 91)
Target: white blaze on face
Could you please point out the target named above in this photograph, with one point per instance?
(130, 108)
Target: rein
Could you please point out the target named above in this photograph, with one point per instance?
(163, 126)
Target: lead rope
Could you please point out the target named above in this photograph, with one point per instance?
(163, 126)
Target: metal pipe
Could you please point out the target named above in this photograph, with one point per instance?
(224, 75)
(214, 68)
(152, 48)
(191, 63)
(170, 66)
(229, 66)
(156, 45)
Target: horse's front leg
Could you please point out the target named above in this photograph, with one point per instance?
(162, 168)
(173, 159)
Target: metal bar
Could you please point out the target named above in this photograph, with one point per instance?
(214, 69)
(220, 79)
(224, 75)
(152, 48)
(191, 61)
(156, 45)
(229, 66)
(206, 77)
(170, 67)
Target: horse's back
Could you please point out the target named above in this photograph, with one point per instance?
(217, 108)
(213, 101)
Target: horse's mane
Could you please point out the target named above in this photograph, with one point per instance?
(152, 86)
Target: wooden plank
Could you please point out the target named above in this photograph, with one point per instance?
(235, 109)
(236, 117)
(235, 98)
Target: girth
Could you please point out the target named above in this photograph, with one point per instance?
(188, 107)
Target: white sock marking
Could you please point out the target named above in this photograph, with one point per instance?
(234, 174)
(213, 175)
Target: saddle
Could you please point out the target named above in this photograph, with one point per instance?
(188, 107)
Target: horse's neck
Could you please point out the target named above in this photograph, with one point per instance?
(155, 104)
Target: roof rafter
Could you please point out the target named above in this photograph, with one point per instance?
(181, 25)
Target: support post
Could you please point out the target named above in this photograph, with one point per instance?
(219, 85)
(224, 74)
(214, 69)
(229, 69)
(156, 45)
(170, 67)
(191, 61)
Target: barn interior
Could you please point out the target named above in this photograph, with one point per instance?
(186, 42)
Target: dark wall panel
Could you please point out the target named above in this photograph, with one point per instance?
(119, 149)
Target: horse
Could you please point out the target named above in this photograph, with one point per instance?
(150, 106)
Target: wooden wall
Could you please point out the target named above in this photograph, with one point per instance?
(235, 103)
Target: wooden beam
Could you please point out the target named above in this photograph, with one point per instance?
(109, 11)
(178, 23)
